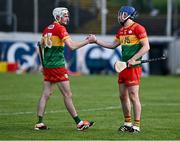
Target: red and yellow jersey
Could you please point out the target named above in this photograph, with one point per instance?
(129, 38)
(53, 39)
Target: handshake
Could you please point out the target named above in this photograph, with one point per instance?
(91, 38)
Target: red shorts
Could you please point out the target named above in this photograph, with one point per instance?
(130, 76)
(55, 74)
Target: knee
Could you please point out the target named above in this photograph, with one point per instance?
(133, 96)
(123, 97)
(67, 95)
(46, 95)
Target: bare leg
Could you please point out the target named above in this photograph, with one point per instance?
(67, 94)
(47, 90)
(134, 96)
(125, 102)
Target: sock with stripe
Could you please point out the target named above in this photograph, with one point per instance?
(136, 123)
(127, 121)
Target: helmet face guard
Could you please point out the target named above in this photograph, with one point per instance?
(123, 17)
(125, 13)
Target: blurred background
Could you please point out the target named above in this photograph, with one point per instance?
(22, 21)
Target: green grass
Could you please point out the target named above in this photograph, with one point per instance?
(96, 98)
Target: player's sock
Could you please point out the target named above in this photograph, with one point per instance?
(127, 121)
(137, 123)
(40, 119)
(127, 124)
(77, 119)
(136, 126)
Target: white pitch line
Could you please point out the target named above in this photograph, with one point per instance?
(86, 110)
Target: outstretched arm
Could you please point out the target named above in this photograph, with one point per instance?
(75, 45)
(110, 45)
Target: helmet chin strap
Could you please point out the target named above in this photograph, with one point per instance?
(122, 23)
(57, 19)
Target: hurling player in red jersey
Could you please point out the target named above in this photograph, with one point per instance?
(54, 38)
(134, 42)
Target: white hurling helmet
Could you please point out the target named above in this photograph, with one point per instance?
(60, 12)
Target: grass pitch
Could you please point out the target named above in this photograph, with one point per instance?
(96, 98)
